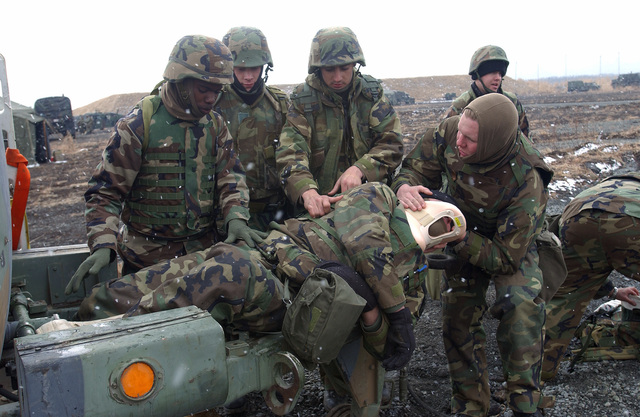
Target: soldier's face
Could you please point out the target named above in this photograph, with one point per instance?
(337, 77)
(205, 94)
(491, 81)
(247, 76)
(467, 137)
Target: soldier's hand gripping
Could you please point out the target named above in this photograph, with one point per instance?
(91, 266)
(401, 341)
(239, 229)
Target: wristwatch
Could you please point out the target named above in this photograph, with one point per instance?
(614, 292)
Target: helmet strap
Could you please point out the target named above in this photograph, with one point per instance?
(486, 89)
(266, 73)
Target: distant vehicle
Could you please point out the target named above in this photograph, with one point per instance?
(88, 122)
(398, 98)
(450, 96)
(625, 80)
(581, 86)
(57, 110)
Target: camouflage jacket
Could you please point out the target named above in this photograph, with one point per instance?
(504, 203)
(164, 190)
(367, 230)
(468, 96)
(615, 194)
(256, 132)
(313, 151)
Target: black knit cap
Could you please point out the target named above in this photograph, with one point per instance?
(488, 67)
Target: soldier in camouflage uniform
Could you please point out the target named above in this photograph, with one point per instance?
(168, 168)
(368, 230)
(599, 230)
(500, 183)
(341, 130)
(487, 69)
(255, 114)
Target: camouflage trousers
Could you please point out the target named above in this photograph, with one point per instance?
(237, 286)
(234, 283)
(594, 244)
(139, 251)
(519, 335)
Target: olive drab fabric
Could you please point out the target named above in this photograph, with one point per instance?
(256, 132)
(321, 316)
(367, 230)
(610, 336)
(171, 190)
(334, 46)
(504, 204)
(599, 231)
(551, 262)
(468, 96)
(323, 136)
(201, 58)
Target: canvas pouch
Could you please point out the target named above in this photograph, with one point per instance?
(321, 317)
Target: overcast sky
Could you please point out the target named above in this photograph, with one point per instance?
(91, 49)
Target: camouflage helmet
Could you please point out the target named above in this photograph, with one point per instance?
(249, 47)
(202, 58)
(485, 54)
(334, 46)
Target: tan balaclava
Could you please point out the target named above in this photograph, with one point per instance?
(497, 119)
(179, 100)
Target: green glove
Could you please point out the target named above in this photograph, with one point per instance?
(239, 229)
(91, 266)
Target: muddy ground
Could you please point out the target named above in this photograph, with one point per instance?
(561, 124)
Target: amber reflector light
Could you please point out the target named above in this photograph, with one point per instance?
(137, 379)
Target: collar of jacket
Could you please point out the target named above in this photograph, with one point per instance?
(330, 97)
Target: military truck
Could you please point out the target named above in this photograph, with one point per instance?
(57, 110)
(88, 122)
(399, 98)
(450, 96)
(626, 80)
(580, 85)
(171, 363)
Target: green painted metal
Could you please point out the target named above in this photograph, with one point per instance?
(46, 272)
(77, 371)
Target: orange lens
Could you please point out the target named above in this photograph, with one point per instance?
(137, 379)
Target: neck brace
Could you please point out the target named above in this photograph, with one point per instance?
(429, 227)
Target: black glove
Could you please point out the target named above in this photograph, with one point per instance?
(400, 340)
(355, 281)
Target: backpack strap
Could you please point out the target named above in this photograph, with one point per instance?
(371, 87)
(308, 98)
(150, 105)
(278, 98)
